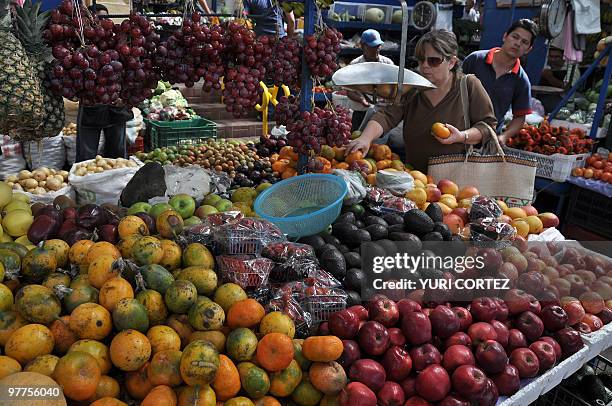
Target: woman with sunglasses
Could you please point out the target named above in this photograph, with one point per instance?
(436, 52)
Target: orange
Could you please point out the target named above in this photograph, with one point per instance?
(440, 130)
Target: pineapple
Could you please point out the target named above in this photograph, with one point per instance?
(21, 100)
(29, 27)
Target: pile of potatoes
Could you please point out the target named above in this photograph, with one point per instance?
(100, 164)
(39, 181)
(70, 129)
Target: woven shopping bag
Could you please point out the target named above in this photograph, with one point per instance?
(496, 174)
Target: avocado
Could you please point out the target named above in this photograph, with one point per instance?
(407, 242)
(327, 231)
(396, 228)
(342, 230)
(375, 249)
(353, 259)
(315, 241)
(357, 238)
(360, 224)
(353, 298)
(324, 248)
(375, 220)
(592, 385)
(343, 248)
(434, 212)
(393, 218)
(444, 230)
(333, 262)
(389, 246)
(354, 279)
(358, 210)
(348, 217)
(377, 231)
(417, 222)
(330, 239)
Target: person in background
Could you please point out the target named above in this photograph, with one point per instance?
(436, 53)
(92, 120)
(370, 46)
(470, 13)
(203, 6)
(557, 73)
(270, 17)
(501, 74)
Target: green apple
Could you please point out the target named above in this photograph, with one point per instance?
(223, 204)
(183, 204)
(192, 221)
(140, 207)
(205, 210)
(159, 208)
(262, 186)
(211, 199)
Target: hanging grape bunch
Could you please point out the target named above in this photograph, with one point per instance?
(184, 57)
(214, 47)
(287, 110)
(320, 127)
(136, 41)
(321, 51)
(285, 66)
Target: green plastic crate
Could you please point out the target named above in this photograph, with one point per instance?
(180, 132)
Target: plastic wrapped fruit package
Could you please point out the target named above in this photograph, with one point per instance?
(381, 201)
(202, 233)
(491, 232)
(290, 306)
(294, 269)
(284, 251)
(484, 206)
(248, 271)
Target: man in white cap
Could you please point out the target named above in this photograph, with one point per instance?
(370, 46)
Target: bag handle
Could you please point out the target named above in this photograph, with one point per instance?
(465, 101)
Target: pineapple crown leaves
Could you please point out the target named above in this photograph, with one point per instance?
(29, 25)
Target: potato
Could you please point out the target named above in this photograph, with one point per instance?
(29, 183)
(17, 186)
(64, 174)
(42, 183)
(46, 170)
(53, 184)
(81, 172)
(24, 174)
(11, 184)
(12, 178)
(131, 164)
(39, 191)
(59, 178)
(39, 175)
(98, 169)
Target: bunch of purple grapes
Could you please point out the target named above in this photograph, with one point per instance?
(321, 51)
(320, 127)
(285, 65)
(287, 110)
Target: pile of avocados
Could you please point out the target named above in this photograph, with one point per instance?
(339, 248)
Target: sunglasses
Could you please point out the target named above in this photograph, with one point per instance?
(433, 61)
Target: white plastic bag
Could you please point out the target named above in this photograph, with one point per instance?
(103, 187)
(49, 152)
(396, 182)
(47, 198)
(133, 126)
(11, 156)
(356, 186)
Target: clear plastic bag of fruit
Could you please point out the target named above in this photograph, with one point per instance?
(356, 186)
(295, 269)
(484, 207)
(381, 201)
(398, 183)
(284, 251)
(490, 232)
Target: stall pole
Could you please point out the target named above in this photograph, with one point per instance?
(601, 103)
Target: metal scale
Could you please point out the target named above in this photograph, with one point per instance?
(381, 80)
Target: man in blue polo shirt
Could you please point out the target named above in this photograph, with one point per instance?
(501, 74)
(270, 17)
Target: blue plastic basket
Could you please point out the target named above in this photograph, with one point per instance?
(302, 205)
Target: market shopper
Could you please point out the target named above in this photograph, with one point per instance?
(436, 52)
(557, 72)
(92, 120)
(269, 17)
(501, 74)
(370, 43)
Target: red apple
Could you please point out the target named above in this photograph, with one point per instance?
(602, 288)
(491, 356)
(384, 311)
(588, 277)
(433, 194)
(344, 324)
(409, 386)
(491, 259)
(549, 219)
(458, 338)
(462, 212)
(357, 394)
(424, 355)
(525, 361)
(575, 312)
(592, 321)
(455, 356)
(582, 327)
(448, 187)
(417, 401)
(391, 394)
(516, 339)
(368, 372)
(509, 271)
(350, 354)
(530, 210)
(454, 400)
(545, 353)
(397, 363)
(483, 309)
(592, 302)
(360, 311)
(502, 332)
(464, 315)
(563, 286)
(534, 306)
(444, 322)
(488, 397)
(373, 338)
(554, 318)
(433, 383)
(605, 279)
(549, 298)
(480, 332)
(502, 309)
(408, 306)
(551, 272)
(530, 325)
(520, 242)
(323, 329)
(469, 381)
(517, 301)
(416, 328)
(454, 223)
(508, 381)
(531, 282)
(555, 345)
(396, 337)
(605, 315)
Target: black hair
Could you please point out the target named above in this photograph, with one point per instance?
(526, 24)
(94, 8)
